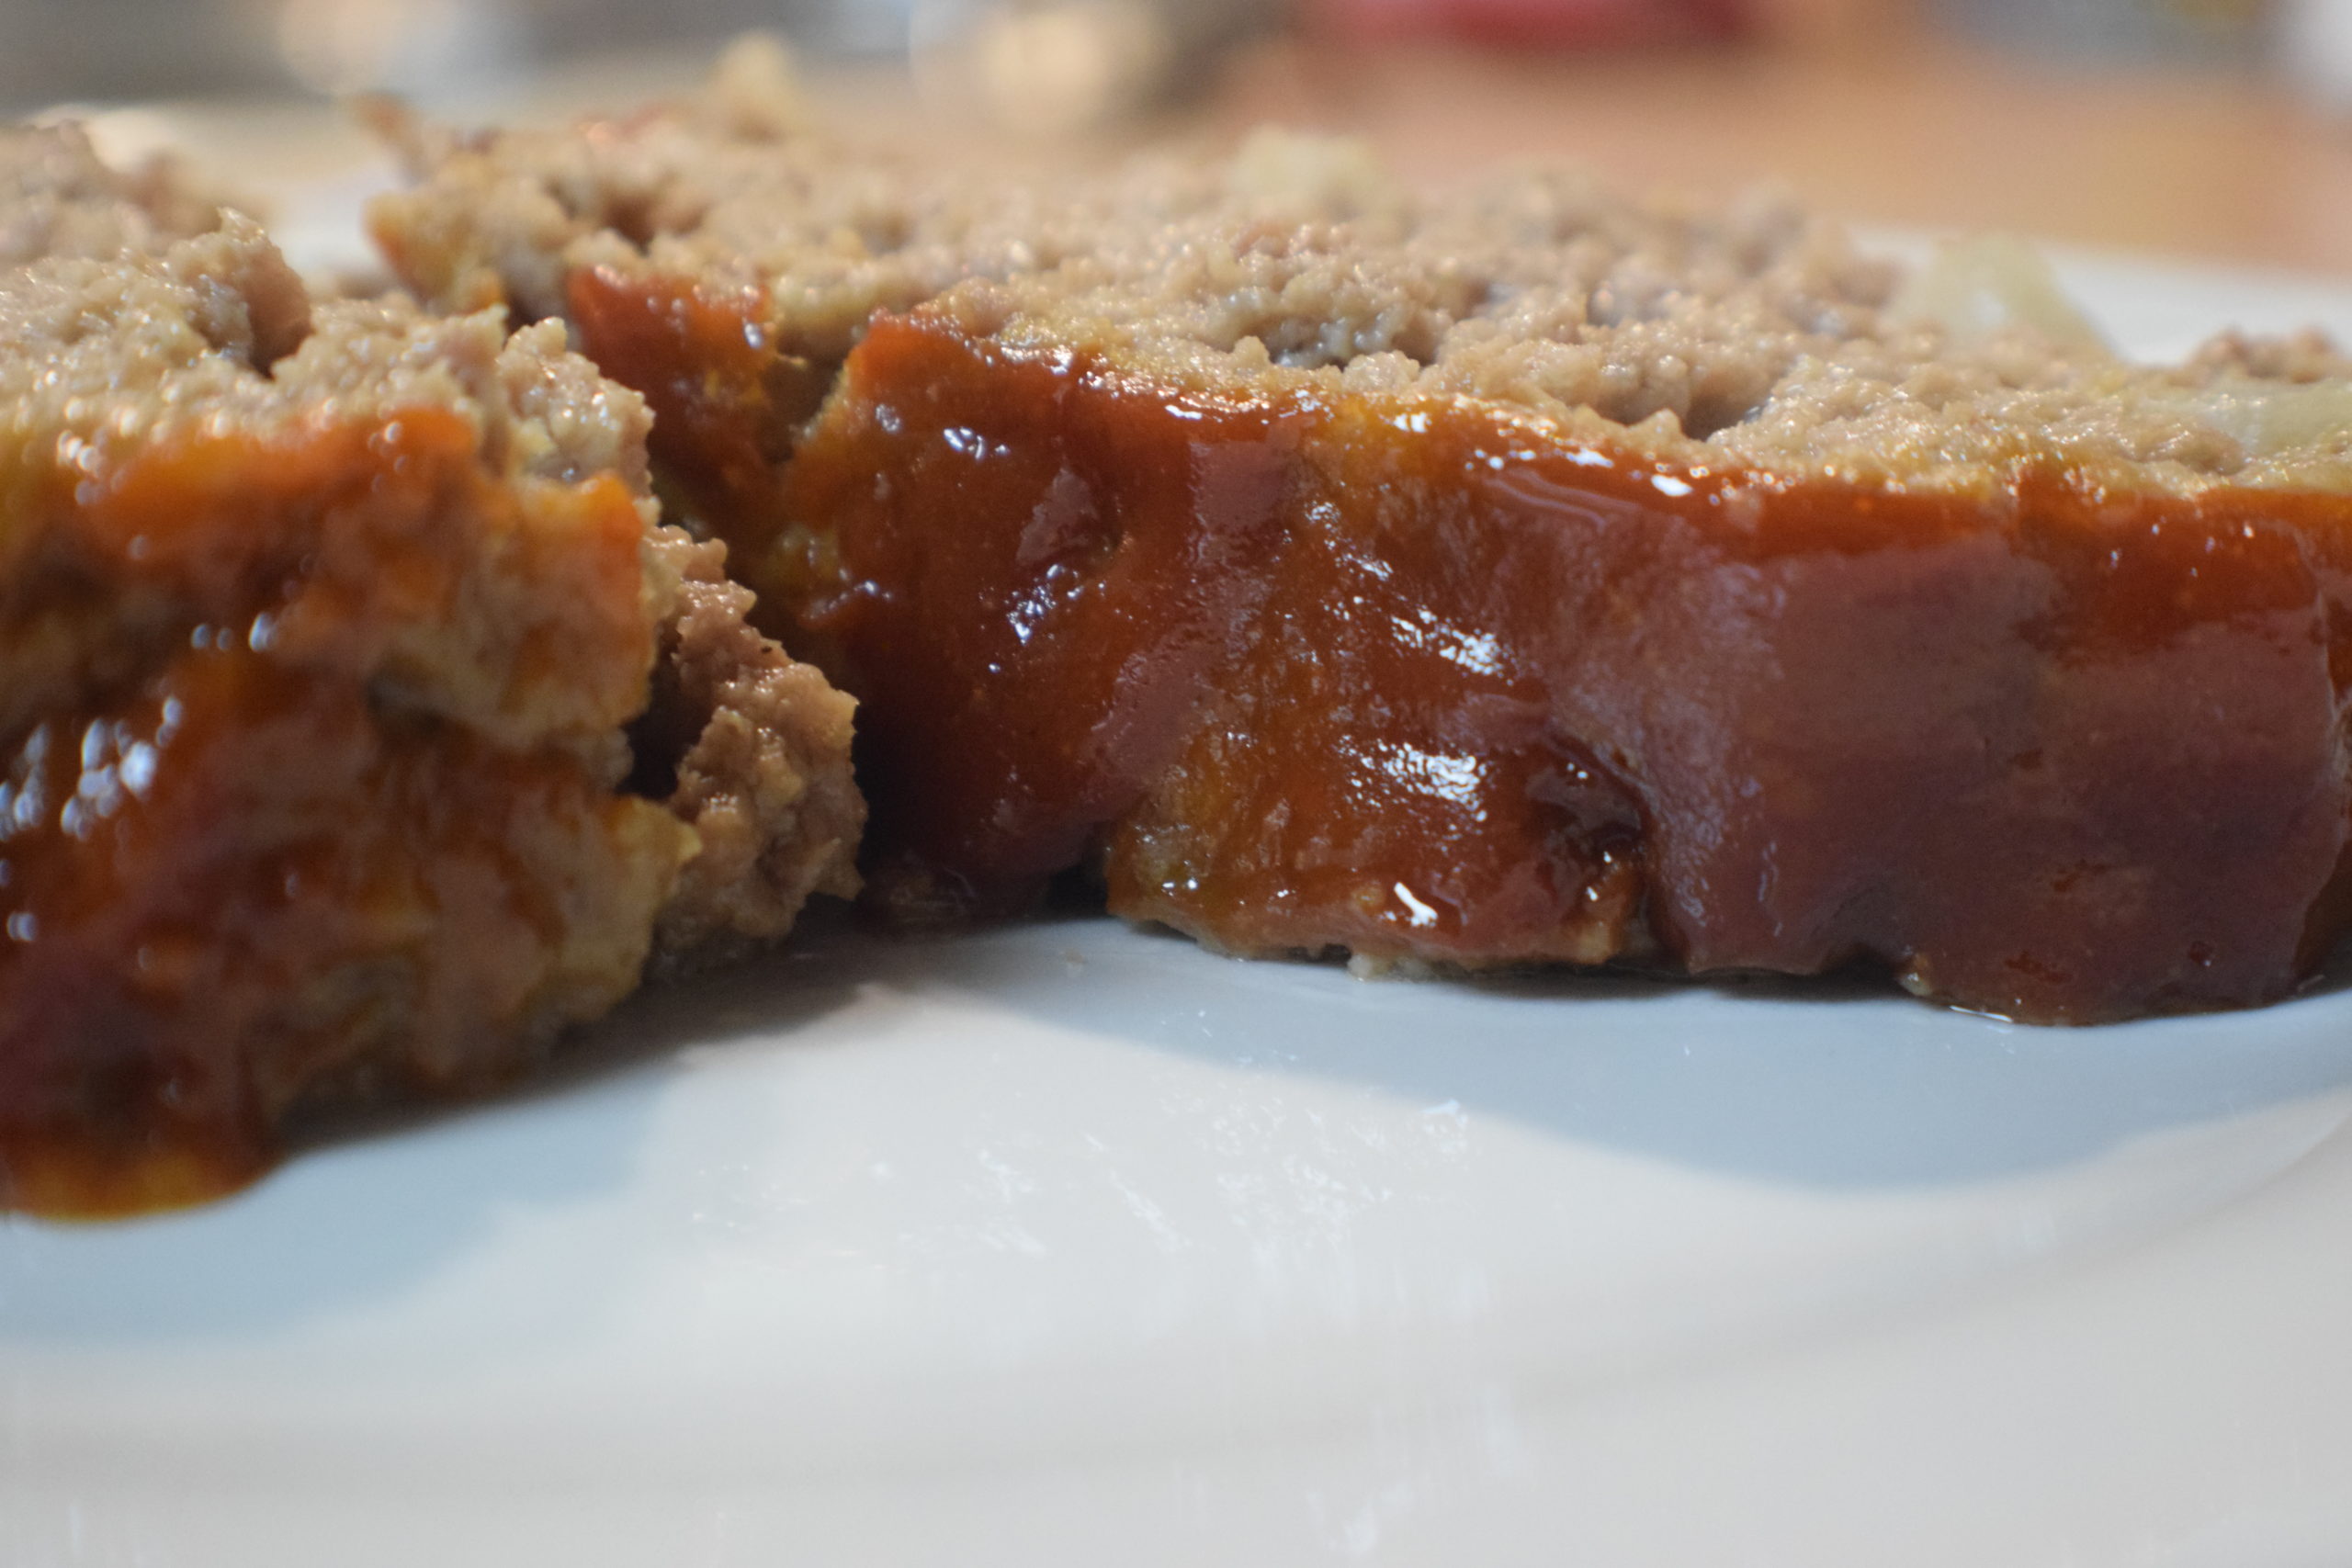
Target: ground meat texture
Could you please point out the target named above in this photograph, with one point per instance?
(751, 749)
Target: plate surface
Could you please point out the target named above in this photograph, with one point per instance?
(1068, 1244)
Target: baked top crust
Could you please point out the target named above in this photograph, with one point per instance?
(1749, 333)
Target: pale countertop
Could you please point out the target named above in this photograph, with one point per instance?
(2217, 165)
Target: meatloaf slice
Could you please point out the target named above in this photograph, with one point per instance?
(327, 639)
(1512, 573)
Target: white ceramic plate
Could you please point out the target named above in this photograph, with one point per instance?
(1069, 1245)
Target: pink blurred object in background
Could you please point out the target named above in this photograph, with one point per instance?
(1550, 24)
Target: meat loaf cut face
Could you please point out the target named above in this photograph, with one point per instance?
(1508, 574)
(331, 762)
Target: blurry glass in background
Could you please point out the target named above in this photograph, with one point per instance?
(2230, 30)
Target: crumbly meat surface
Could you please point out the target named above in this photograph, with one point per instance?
(322, 631)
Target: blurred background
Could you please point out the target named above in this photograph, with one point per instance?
(2212, 128)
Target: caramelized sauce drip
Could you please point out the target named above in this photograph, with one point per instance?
(1420, 677)
(267, 834)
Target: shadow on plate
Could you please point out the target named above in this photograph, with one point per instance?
(326, 1231)
(1839, 1082)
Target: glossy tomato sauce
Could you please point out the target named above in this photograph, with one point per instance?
(1420, 678)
